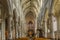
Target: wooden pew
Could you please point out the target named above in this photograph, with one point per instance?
(22, 39)
(33, 39)
(41, 39)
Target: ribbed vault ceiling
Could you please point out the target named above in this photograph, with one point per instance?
(3, 3)
(57, 7)
(4, 8)
(30, 6)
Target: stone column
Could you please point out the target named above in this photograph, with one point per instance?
(24, 26)
(10, 28)
(3, 30)
(17, 17)
(22, 16)
(13, 29)
(50, 3)
(51, 27)
(0, 32)
(10, 19)
(0, 22)
(16, 24)
(19, 28)
(23, 29)
(36, 26)
(58, 27)
(45, 25)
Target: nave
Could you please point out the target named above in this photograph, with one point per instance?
(29, 19)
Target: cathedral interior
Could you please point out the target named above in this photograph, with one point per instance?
(29, 19)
